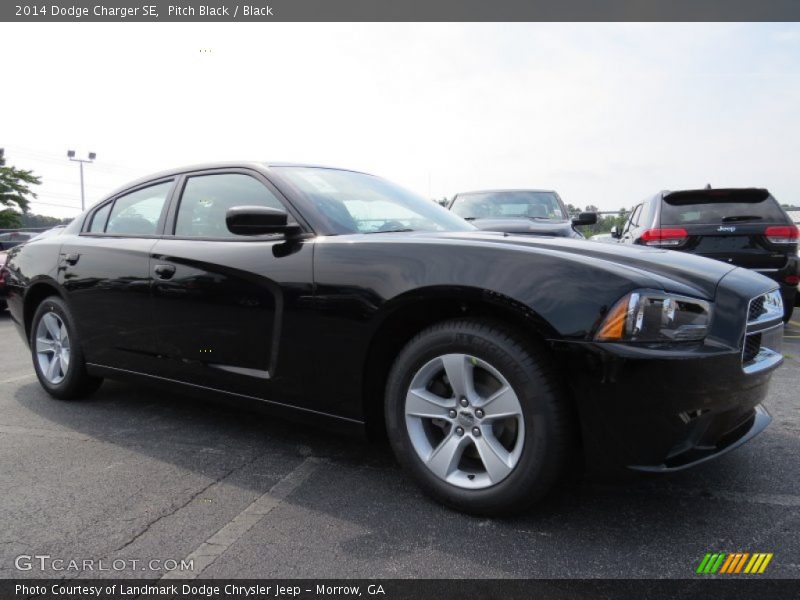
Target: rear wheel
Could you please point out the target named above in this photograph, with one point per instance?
(477, 417)
(56, 351)
(789, 302)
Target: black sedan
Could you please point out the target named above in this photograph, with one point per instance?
(338, 298)
(521, 212)
(14, 238)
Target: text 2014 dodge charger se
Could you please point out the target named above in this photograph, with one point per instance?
(338, 297)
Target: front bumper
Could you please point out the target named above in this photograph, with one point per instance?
(659, 410)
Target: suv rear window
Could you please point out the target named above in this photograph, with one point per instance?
(720, 206)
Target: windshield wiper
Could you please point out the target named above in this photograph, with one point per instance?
(741, 218)
(390, 231)
(469, 218)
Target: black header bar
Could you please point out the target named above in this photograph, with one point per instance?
(398, 589)
(399, 10)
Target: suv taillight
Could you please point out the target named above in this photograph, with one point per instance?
(784, 234)
(664, 237)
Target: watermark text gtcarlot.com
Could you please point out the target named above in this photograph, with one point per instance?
(45, 562)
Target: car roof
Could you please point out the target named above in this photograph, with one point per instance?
(249, 164)
(505, 190)
(715, 191)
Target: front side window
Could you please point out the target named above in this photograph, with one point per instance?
(351, 202)
(207, 198)
(138, 213)
(510, 204)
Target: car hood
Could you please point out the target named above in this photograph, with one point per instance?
(677, 272)
(526, 226)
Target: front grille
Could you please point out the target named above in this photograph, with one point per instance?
(756, 309)
(752, 346)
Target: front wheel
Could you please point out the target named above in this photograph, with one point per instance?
(57, 356)
(477, 417)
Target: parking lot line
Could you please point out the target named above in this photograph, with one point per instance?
(45, 433)
(217, 544)
(18, 378)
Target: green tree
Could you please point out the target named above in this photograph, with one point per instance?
(15, 194)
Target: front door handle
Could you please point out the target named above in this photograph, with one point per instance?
(71, 259)
(164, 271)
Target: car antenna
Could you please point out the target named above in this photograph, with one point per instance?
(708, 186)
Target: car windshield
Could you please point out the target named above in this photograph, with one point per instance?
(720, 206)
(510, 204)
(353, 202)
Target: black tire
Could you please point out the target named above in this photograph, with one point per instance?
(789, 302)
(77, 383)
(531, 374)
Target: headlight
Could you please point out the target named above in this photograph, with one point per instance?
(655, 317)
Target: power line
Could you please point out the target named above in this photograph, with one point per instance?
(55, 197)
(55, 158)
(78, 208)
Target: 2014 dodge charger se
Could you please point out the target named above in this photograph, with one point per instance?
(337, 297)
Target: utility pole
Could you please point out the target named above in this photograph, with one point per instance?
(71, 156)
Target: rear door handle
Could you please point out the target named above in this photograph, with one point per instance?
(71, 259)
(164, 271)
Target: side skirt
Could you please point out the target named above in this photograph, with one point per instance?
(298, 414)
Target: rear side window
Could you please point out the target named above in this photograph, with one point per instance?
(99, 219)
(206, 199)
(645, 216)
(711, 207)
(634, 220)
(138, 213)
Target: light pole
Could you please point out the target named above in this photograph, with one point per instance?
(71, 156)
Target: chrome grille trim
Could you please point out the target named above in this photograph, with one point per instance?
(763, 312)
(764, 316)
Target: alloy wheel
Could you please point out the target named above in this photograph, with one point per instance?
(464, 421)
(52, 348)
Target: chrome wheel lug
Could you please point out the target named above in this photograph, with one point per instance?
(479, 413)
(464, 402)
(476, 431)
(452, 413)
(459, 431)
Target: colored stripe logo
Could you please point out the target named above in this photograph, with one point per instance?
(734, 563)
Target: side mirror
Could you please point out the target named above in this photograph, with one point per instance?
(585, 218)
(615, 232)
(258, 220)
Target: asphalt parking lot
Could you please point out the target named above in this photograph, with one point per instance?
(138, 475)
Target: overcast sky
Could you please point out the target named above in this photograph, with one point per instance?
(604, 113)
